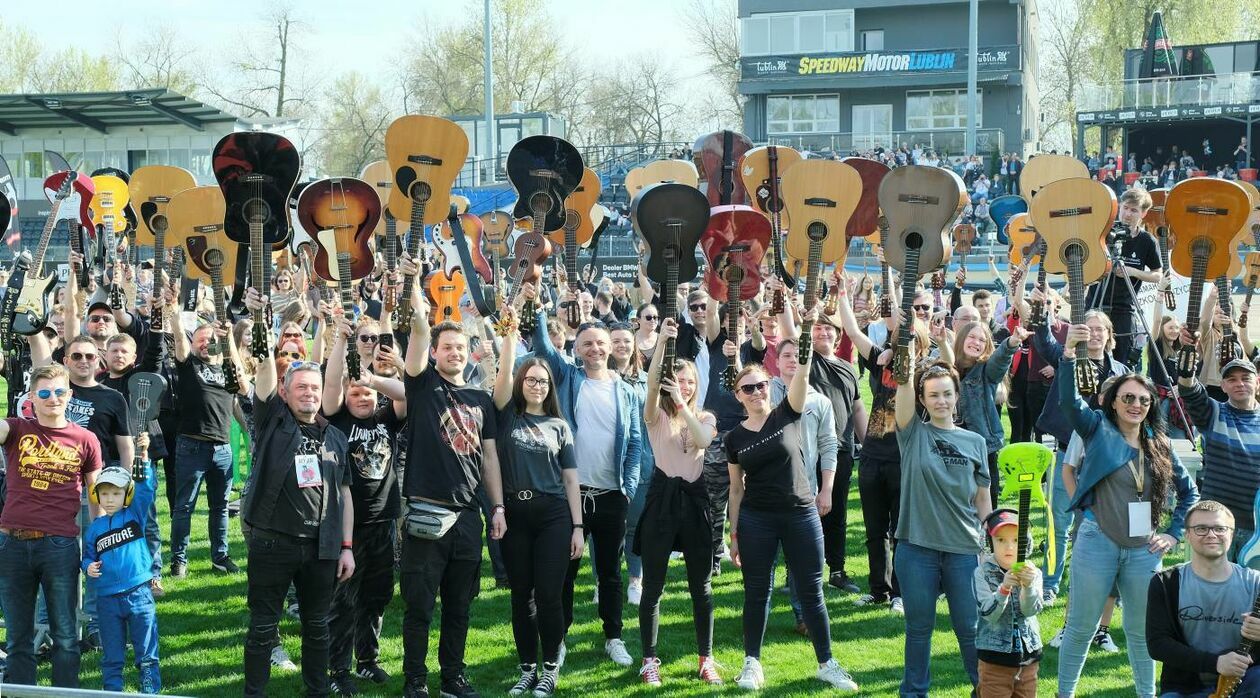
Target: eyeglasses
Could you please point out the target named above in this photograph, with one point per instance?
(533, 382)
(301, 366)
(1130, 398)
(100, 318)
(45, 393)
(698, 307)
(295, 335)
(82, 356)
(649, 318)
(922, 306)
(1204, 530)
(290, 355)
(369, 338)
(754, 388)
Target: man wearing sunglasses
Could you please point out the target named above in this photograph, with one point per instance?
(1231, 441)
(51, 463)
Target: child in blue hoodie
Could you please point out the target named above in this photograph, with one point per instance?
(117, 556)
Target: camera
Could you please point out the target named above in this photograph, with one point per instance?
(1118, 235)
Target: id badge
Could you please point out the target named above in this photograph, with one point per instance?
(1139, 519)
(308, 474)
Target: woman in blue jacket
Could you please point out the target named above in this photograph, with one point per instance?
(1122, 491)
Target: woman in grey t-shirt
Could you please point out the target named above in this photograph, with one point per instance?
(944, 497)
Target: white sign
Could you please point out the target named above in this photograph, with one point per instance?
(1150, 295)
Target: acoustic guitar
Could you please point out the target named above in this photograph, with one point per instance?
(657, 171)
(544, 170)
(821, 196)
(734, 243)
(196, 218)
(425, 155)
(920, 203)
(1155, 220)
(495, 226)
(33, 287)
(577, 230)
(670, 218)
(529, 252)
(445, 291)
(379, 175)
(762, 171)
(716, 156)
(1043, 169)
(864, 223)
(1002, 209)
(1072, 216)
(964, 239)
(151, 188)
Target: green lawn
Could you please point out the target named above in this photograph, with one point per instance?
(202, 622)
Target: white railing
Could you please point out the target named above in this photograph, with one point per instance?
(1189, 90)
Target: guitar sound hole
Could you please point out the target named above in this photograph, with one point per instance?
(540, 203)
(213, 258)
(421, 191)
(914, 241)
(257, 211)
(1074, 254)
(817, 232)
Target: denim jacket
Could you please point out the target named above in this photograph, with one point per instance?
(1003, 617)
(628, 445)
(977, 404)
(1106, 451)
(1054, 420)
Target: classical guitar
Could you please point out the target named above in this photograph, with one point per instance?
(1041, 170)
(34, 300)
(151, 189)
(425, 155)
(1072, 216)
(1155, 219)
(529, 252)
(734, 243)
(144, 398)
(716, 156)
(341, 214)
(762, 171)
(964, 240)
(445, 290)
(658, 171)
(1228, 349)
(821, 196)
(1002, 209)
(1251, 278)
(577, 231)
(196, 221)
(1204, 215)
(1022, 466)
(920, 204)
(256, 172)
(669, 218)
(495, 226)
(544, 170)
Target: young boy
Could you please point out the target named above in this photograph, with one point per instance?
(1008, 640)
(117, 556)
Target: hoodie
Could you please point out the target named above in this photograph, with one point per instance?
(117, 541)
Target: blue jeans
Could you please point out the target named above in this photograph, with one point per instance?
(129, 615)
(1099, 565)
(924, 573)
(800, 532)
(26, 566)
(634, 563)
(196, 461)
(1249, 688)
(1062, 519)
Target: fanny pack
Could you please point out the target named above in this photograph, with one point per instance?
(429, 521)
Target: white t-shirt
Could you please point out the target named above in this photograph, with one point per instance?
(594, 437)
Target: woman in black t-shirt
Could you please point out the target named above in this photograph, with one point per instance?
(543, 509)
(772, 505)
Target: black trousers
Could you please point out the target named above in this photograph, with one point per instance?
(879, 482)
(359, 602)
(717, 480)
(169, 421)
(1024, 405)
(275, 562)
(676, 517)
(536, 554)
(451, 567)
(605, 518)
(1123, 325)
(835, 525)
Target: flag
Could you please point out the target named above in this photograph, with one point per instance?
(1157, 53)
(54, 163)
(13, 232)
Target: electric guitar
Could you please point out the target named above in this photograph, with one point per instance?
(77, 208)
(1002, 209)
(445, 290)
(669, 218)
(1204, 215)
(425, 156)
(734, 243)
(144, 398)
(1073, 217)
(197, 222)
(821, 196)
(151, 189)
(108, 204)
(716, 156)
(1155, 218)
(1022, 466)
(543, 170)
(920, 203)
(577, 230)
(658, 171)
(444, 239)
(34, 300)
(762, 171)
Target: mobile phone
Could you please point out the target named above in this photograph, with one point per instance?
(385, 340)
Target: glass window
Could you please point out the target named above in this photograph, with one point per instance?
(803, 114)
(755, 35)
(199, 165)
(33, 165)
(532, 126)
(827, 114)
(783, 34)
(873, 40)
(797, 32)
(940, 109)
(918, 110)
(178, 157)
(839, 31)
(810, 37)
(777, 108)
(137, 159)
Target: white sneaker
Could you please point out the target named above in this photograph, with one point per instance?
(1103, 641)
(897, 606)
(751, 678)
(1057, 639)
(634, 593)
(280, 659)
(834, 674)
(616, 651)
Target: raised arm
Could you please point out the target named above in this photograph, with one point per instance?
(507, 359)
(179, 336)
(905, 409)
(418, 344)
(1083, 419)
(265, 378)
(335, 372)
(652, 400)
(848, 321)
(799, 387)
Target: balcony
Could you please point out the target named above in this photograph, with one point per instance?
(946, 142)
(1153, 93)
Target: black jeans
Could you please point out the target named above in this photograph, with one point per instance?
(169, 421)
(835, 524)
(275, 561)
(879, 482)
(536, 554)
(605, 518)
(360, 601)
(717, 480)
(493, 547)
(450, 566)
(676, 517)
(1123, 327)
(1024, 405)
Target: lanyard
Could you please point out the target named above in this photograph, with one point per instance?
(1139, 473)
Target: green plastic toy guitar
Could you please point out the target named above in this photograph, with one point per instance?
(1022, 466)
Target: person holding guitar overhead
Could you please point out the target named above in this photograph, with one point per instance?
(1139, 252)
(1202, 617)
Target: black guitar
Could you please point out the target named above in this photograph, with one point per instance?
(144, 393)
(543, 165)
(670, 218)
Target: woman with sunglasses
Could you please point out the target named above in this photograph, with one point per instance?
(944, 497)
(544, 514)
(772, 505)
(676, 513)
(1121, 493)
(645, 336)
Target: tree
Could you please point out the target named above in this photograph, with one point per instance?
(715, 28)
(74, 70)
(635, 102)
(354, 130)
(162, 58)
(1065, 67)
(19, 58)
(268, 80)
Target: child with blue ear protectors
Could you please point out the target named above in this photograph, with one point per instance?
(1008, 592)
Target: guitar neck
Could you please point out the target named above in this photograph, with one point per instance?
(909, 279)
(1023, 536)
(885, 273)
(42, 251)
(1197, 275)
(813, 269)
(415, 232)
(347, 308)
(570, 254)
(259, 272)
(669, 296)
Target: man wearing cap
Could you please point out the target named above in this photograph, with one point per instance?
(1231, 441)
(51, 463)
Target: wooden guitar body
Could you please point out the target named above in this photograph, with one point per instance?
(444, 240)
(754, 170)
(256, 171)
(341, 214)
(579, 207)
(1002, 209)
(820, 195)
(1041, 170)
(425, 155)
(78, 207)
(109, 203)
(1205, 215)
(716, 157)
(446, 291)
(195, 218)
(865, 220)
(920, 203)
(657, 171)
(151, 189)
(544, 167)
(1023, 240)
(529, 252)
(380, 177)
(670, 219)
(736, 235)
(495, 226)
(1072, 217)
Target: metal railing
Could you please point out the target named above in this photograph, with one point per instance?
(946, 142)
(609, 159)
(1189, 90)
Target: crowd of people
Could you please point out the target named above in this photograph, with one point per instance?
(402, 448)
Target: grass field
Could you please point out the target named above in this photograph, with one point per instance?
(202, 624)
